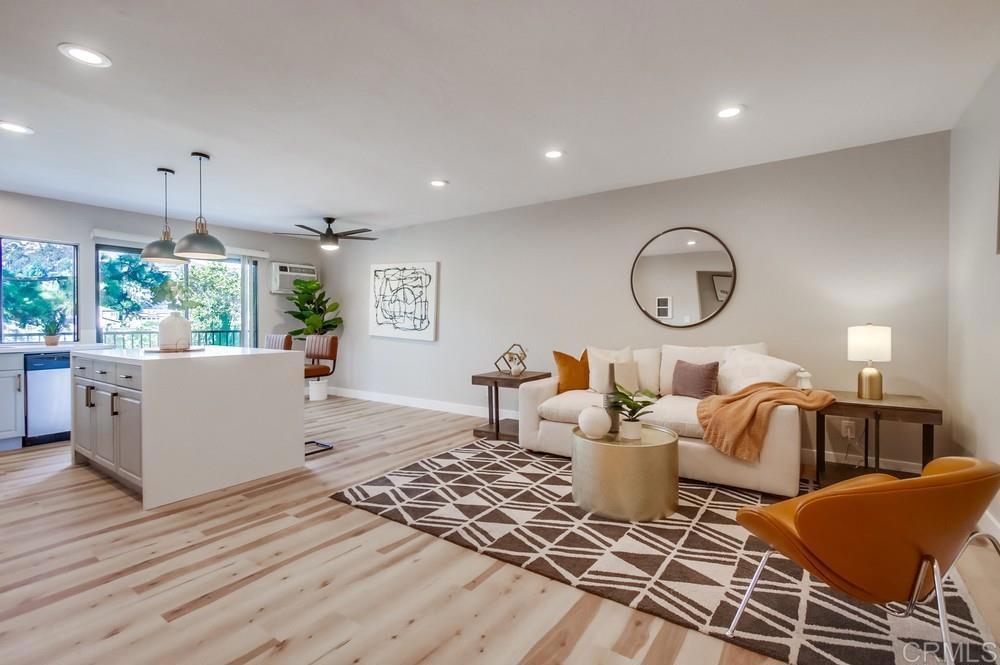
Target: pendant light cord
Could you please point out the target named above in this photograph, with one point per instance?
(200, 215)
(166, 225)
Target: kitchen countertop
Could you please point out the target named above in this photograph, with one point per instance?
(143, 356)
(62, 346)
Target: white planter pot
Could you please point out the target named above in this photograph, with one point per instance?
(595, 422)
(175, 333)
(317, 390)
(630, 429)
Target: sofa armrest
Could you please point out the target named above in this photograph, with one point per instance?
(781, 457)
(530, 396)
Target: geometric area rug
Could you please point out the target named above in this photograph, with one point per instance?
(691, 568)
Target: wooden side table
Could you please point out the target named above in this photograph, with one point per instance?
(897, 408)
(504, 429)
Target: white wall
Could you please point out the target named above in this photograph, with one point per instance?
(974, 278)
(820, 243)
(47, 219)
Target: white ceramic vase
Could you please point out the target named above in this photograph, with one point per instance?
(175, 333)
(594, 422)
(630, 429)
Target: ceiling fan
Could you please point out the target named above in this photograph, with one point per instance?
(329, 240)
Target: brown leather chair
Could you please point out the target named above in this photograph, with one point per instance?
(318, 349)
(876, 538)
(278, 342)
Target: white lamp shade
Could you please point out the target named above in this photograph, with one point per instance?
(869, 343)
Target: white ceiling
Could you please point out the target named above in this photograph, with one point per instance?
(316, 107)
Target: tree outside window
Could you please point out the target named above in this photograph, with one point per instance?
(38, 286)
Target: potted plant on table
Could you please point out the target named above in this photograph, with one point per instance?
(53, 327)
(631, 405)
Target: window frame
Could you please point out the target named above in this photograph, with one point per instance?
(98, 329)
(76, 282)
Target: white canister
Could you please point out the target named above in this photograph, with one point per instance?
(595, 422)
(175, 333)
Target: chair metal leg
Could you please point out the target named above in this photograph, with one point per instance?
(949, 658)
(746, 596)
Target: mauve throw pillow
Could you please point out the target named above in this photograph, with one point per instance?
(698, 381)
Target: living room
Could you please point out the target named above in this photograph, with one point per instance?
(816, 457)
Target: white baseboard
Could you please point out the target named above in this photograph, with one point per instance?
(417, 402)
(809, 456)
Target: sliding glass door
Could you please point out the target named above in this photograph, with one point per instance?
(218, 297)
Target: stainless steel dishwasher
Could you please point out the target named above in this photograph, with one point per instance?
(48, 392)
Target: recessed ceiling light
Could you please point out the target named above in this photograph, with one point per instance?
(554, 154)
(84, 55)
(692, 242)
(731, 111)
(15, 128)
(439, 183)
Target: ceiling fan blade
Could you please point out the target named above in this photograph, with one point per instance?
(309, 228)
(352, 232)
(356, 238)
(282, 233)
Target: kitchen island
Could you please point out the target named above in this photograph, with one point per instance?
(176, 425)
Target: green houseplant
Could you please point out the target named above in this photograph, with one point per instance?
(316, 312)
(631, 405)
(53, 326)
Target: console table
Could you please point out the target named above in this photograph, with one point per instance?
(497, 428)
(896, 408)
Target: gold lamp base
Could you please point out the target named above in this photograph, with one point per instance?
(870, 383)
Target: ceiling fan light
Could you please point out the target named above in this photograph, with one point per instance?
(329, 242)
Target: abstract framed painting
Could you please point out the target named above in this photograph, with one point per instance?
(404, 301)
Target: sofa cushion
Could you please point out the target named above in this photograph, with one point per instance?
(699, 355)
(573, 374)
(677, 413)
(648, 361)
(743, 368)
(566, 407)
(600, 366)
(698, 381)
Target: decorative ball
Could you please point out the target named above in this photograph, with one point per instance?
(595, 422)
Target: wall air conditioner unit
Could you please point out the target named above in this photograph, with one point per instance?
(283, 274)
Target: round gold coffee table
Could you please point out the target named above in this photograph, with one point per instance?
(633, 480)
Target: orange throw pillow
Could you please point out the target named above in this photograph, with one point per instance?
(573, 374)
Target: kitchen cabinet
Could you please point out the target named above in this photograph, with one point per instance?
(11, 403)
(107, 425)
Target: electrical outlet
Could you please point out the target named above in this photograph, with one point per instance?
(847, 429)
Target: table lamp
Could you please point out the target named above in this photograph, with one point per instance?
(869, 344)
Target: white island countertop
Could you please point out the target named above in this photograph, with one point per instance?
(142, 356)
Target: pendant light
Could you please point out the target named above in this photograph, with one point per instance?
(162, 250)
(200, 244)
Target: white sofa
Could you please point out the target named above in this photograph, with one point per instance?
(547, 420)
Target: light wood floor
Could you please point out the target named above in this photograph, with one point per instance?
(274, 571)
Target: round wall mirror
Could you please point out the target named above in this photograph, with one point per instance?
(683, 277)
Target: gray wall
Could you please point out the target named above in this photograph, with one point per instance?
(47, 219)
(974, 278)
(820, 243)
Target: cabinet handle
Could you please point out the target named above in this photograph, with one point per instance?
(101, 371)
(124, 376)
(81, 368)
(18, 383)
(114, 398)
(89, 390)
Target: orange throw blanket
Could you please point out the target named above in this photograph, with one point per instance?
(737, 424)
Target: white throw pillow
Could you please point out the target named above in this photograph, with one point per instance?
(648, 361)
(699, 355)
(742, 368)
(627, 376)
(600, 366)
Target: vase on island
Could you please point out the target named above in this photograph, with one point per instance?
(175, 333)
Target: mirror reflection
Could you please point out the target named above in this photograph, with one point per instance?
(683, 277)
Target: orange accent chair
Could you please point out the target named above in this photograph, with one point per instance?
(278, 342)
(876, 538)
(318, 349)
